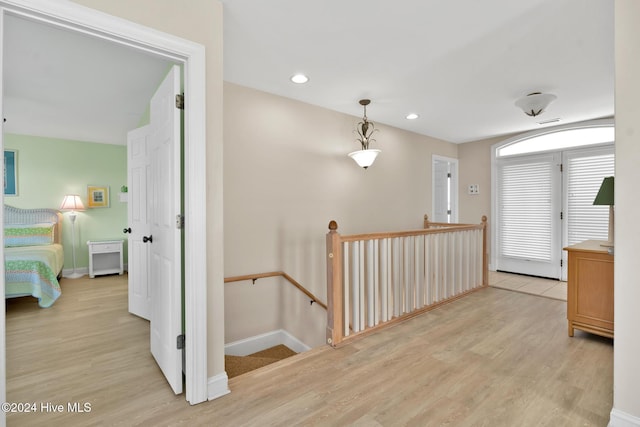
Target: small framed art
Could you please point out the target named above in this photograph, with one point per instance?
(98, 196)
(10, 173)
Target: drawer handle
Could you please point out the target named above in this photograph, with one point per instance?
(127, 230)
(146, 239)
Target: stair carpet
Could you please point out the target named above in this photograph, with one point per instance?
(238, 365)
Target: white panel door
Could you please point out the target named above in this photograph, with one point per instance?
(164, 240)
(444, 189)
(529, 209)
(138, 164)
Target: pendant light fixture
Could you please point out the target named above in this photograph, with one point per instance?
(366, 156)
(535, 103)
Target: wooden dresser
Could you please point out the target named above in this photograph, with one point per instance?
(590, 288)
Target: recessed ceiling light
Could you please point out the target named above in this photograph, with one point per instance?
(412, 116)
(299, 78)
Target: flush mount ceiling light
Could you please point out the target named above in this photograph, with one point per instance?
(411, 116)
(535, 103)
(299, 78)
(366, 156)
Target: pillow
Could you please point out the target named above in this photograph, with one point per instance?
(28, 234)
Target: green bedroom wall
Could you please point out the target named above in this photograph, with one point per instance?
(49, 168)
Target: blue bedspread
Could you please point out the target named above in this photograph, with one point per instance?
(33, 273)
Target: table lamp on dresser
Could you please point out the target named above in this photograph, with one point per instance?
(605, 197)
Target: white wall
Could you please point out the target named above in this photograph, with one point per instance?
(286, 176)
(626, 379)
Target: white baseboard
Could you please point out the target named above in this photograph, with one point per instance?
(622, 419)
(264, 341)
(217, 386)
(80, 270)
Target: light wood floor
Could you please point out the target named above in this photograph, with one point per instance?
(529, 285)
(494, 358)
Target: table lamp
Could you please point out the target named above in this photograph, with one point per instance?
(605, 197)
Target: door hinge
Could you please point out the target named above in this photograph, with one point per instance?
(179, 221)
(561, 170)
(180, 101)
(561, 215)
(180, 342)
(561, 263)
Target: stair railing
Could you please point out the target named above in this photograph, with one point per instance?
(254, 277)
(377, 279)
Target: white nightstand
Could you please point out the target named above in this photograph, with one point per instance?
(105, 257)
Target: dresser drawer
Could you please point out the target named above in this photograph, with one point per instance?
(97, 248)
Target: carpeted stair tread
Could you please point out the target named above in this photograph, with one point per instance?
(277, 352)
(238, 365)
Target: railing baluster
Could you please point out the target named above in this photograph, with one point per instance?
(384, 282)
(416, 272)
(371, 301)
(361, 290)
(376, 281)
(346, 290)
(427, 268)
(397, 297)
(406, 274)
(355, 288)
(389, 287)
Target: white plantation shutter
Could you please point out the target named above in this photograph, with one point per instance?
(528, 209)
(584, 172)
(525, 211)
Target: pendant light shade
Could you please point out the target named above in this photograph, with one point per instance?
(366, 156)
(535, 103)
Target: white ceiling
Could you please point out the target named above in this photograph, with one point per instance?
(63, 84)
(459, 64)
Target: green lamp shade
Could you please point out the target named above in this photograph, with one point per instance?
(605, 194)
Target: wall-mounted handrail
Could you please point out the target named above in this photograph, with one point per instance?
(254, 277)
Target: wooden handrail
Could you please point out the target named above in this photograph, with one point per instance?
(419, 232)
(290, 279)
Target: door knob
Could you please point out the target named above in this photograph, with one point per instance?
(146, 239)
(127, 230)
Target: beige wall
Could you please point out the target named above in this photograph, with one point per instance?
(286, 176)
(627, 234)
(199, 21)
(474, 162)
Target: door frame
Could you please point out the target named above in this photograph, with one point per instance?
(94, 23)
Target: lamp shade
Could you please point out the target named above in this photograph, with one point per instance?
(71, 202)
(535, 103)
(364, 158)
(605, 194)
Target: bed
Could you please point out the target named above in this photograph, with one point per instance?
(33, 254)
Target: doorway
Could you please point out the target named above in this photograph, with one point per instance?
(444, 171)
(544, 185)
(147, 41)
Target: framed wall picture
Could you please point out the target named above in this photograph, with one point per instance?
(98, 196)
(10, 172)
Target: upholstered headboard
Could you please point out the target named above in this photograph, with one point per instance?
(34, 216)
